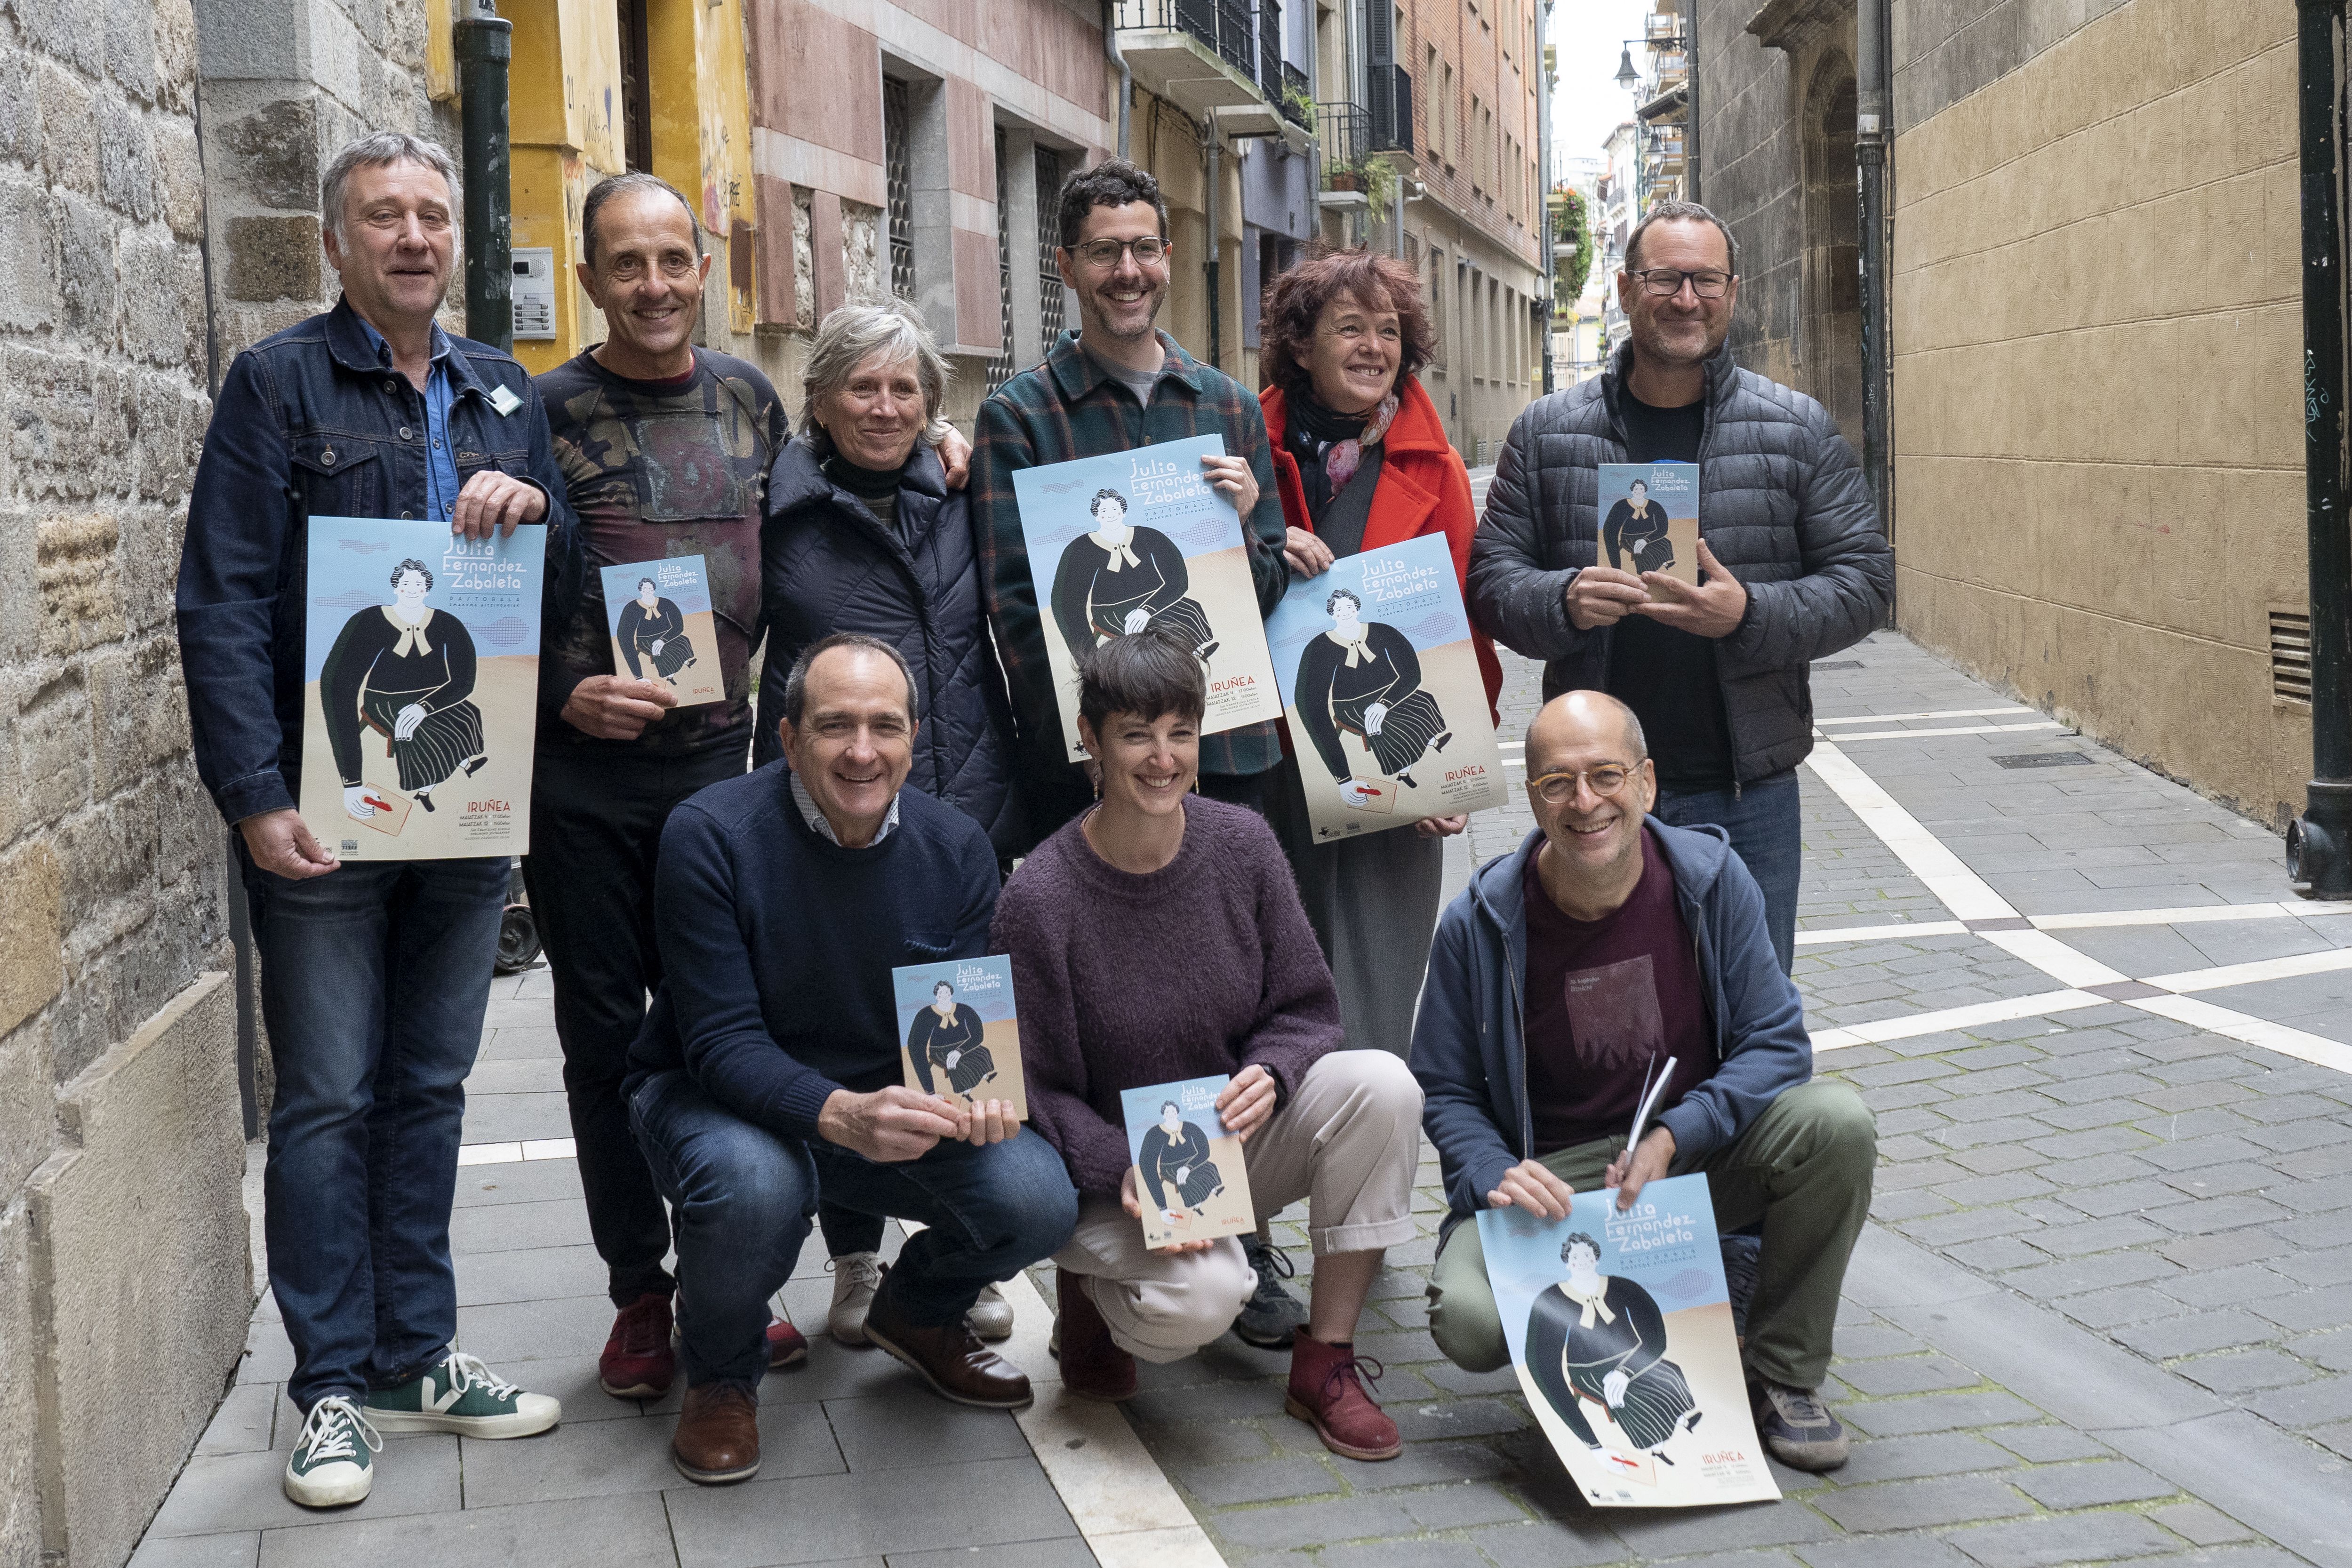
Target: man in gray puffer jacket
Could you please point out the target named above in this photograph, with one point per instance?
(1793, 564)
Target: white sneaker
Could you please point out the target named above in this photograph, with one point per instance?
(332, 1464)
(855, 1277)
(991, 1316)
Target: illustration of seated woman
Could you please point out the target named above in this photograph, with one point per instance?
(946, 1038)
(653, 627)
(405, 671)
(1120, 579)
(1600, 1337)
(1176, 1154)
(1363, 677)
(1636, 531)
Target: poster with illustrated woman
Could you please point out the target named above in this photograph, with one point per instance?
(1619, 1323)
(1189, 1170)
(1380, 682)
(659, 615)
(1649, 520)
(1139, 539)
(959, 1031)
(421, 660)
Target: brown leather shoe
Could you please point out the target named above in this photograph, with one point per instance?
(1093, 1367)
(717, 1437)
(950, 1358)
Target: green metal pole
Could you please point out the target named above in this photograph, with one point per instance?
(485, 44)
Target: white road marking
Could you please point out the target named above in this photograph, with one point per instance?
(1879, 933)
(1953, 730)
(1939, 714)
(2006, 1010)
(2230, 1024)
(2228, 974)
(2189, 914)
(1966, 894)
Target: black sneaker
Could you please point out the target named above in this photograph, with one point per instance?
(1797, 1427)
(1273, 1314)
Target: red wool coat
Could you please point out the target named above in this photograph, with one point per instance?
(1423, 489)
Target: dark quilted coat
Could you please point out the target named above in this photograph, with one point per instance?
(827, 565)
(1782, 503)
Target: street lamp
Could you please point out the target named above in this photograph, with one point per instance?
(1627, 78)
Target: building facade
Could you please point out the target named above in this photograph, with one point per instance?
(2096, 211)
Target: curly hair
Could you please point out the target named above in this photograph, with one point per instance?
(1576, 1240)
(1338, 594)
(1295, 301)
(1094, 507)
(413, 564)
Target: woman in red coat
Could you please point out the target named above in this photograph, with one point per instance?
(1361, 461)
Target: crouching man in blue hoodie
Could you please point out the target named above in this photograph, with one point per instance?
(1607, 944)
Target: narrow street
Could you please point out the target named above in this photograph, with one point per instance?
(2100, 1313)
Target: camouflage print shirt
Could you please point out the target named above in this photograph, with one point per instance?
(655, 470)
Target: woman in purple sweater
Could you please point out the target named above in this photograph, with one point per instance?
(1159, 937)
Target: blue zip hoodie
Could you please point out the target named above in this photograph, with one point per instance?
(1469, 1049)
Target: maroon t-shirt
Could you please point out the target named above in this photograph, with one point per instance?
(1606, 999)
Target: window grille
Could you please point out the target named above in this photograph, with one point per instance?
(1049, 237)
(1000, 369)
(897, 119)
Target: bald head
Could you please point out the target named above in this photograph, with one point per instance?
(1579, 722)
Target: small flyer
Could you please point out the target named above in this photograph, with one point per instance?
(1188, 1173)
(1381, 683)
(421, 668)
(659, 615)
(1649, 520)
(1139, 539)
(962, 1040)
(1620, 1329)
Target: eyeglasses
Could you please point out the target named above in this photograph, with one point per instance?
(1668, 280)
(1559, 789)
(1102, 254)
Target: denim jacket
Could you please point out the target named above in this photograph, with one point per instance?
(316, 420)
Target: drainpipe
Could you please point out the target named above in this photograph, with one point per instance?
(2319, 842)
(1119, 63)
(1216, 242)
(1872, 133)
(485, 44)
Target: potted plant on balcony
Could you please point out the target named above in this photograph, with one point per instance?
(1345, 178)
(1380, 186)
(1298, 105)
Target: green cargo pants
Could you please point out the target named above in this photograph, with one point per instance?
(1804, 1168)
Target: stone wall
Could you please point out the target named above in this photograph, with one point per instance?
(2096, 416)
(122, 1269)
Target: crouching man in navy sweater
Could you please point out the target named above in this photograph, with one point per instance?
(768, 1067)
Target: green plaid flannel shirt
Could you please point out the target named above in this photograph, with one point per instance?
(1069, 407)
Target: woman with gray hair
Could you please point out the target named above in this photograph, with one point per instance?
(862, 535)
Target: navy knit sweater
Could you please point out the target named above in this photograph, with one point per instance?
(777, 946)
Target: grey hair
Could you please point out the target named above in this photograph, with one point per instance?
(373, 151)
(854, 334)
(1680, 212)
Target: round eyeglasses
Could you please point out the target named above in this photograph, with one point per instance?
(1559, 789)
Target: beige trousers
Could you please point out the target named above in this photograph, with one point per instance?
(1346, 1142)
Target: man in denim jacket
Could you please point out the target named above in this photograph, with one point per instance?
(374, 977)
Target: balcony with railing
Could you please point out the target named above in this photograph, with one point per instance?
(1297, 98)
(1203, 55)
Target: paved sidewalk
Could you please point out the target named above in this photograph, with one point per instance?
(2101, 1313)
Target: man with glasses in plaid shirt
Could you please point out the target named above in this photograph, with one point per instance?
(1119, 383)
(1792, 564)
(1610, 946)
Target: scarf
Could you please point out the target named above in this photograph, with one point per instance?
(1358, 653)
(1330, 447)
(1591, 1304)
(412, 638)
(1122, 553)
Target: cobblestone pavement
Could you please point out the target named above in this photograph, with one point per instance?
(2101, 1313)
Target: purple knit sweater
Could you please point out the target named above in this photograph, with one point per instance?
(1203, 966)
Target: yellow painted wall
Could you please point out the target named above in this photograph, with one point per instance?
(2096, 418)
(565, 122)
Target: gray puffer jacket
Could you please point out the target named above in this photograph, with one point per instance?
(1782, 503)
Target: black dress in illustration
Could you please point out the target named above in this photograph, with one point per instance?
(1636, 530)
(1364, 677)
(946, 1037)
(1119, 580)
(405, 672)
(1176, 1154)
(653, 627)
(1600, 1337)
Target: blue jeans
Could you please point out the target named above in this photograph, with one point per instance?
(741, 1198)
(1767, 828)
(374, 982)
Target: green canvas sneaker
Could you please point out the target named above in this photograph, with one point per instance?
(459, 1393)
(333, 1462)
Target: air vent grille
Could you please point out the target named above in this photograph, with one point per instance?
(2291, 656)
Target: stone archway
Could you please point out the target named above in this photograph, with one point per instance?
(1830, 327)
